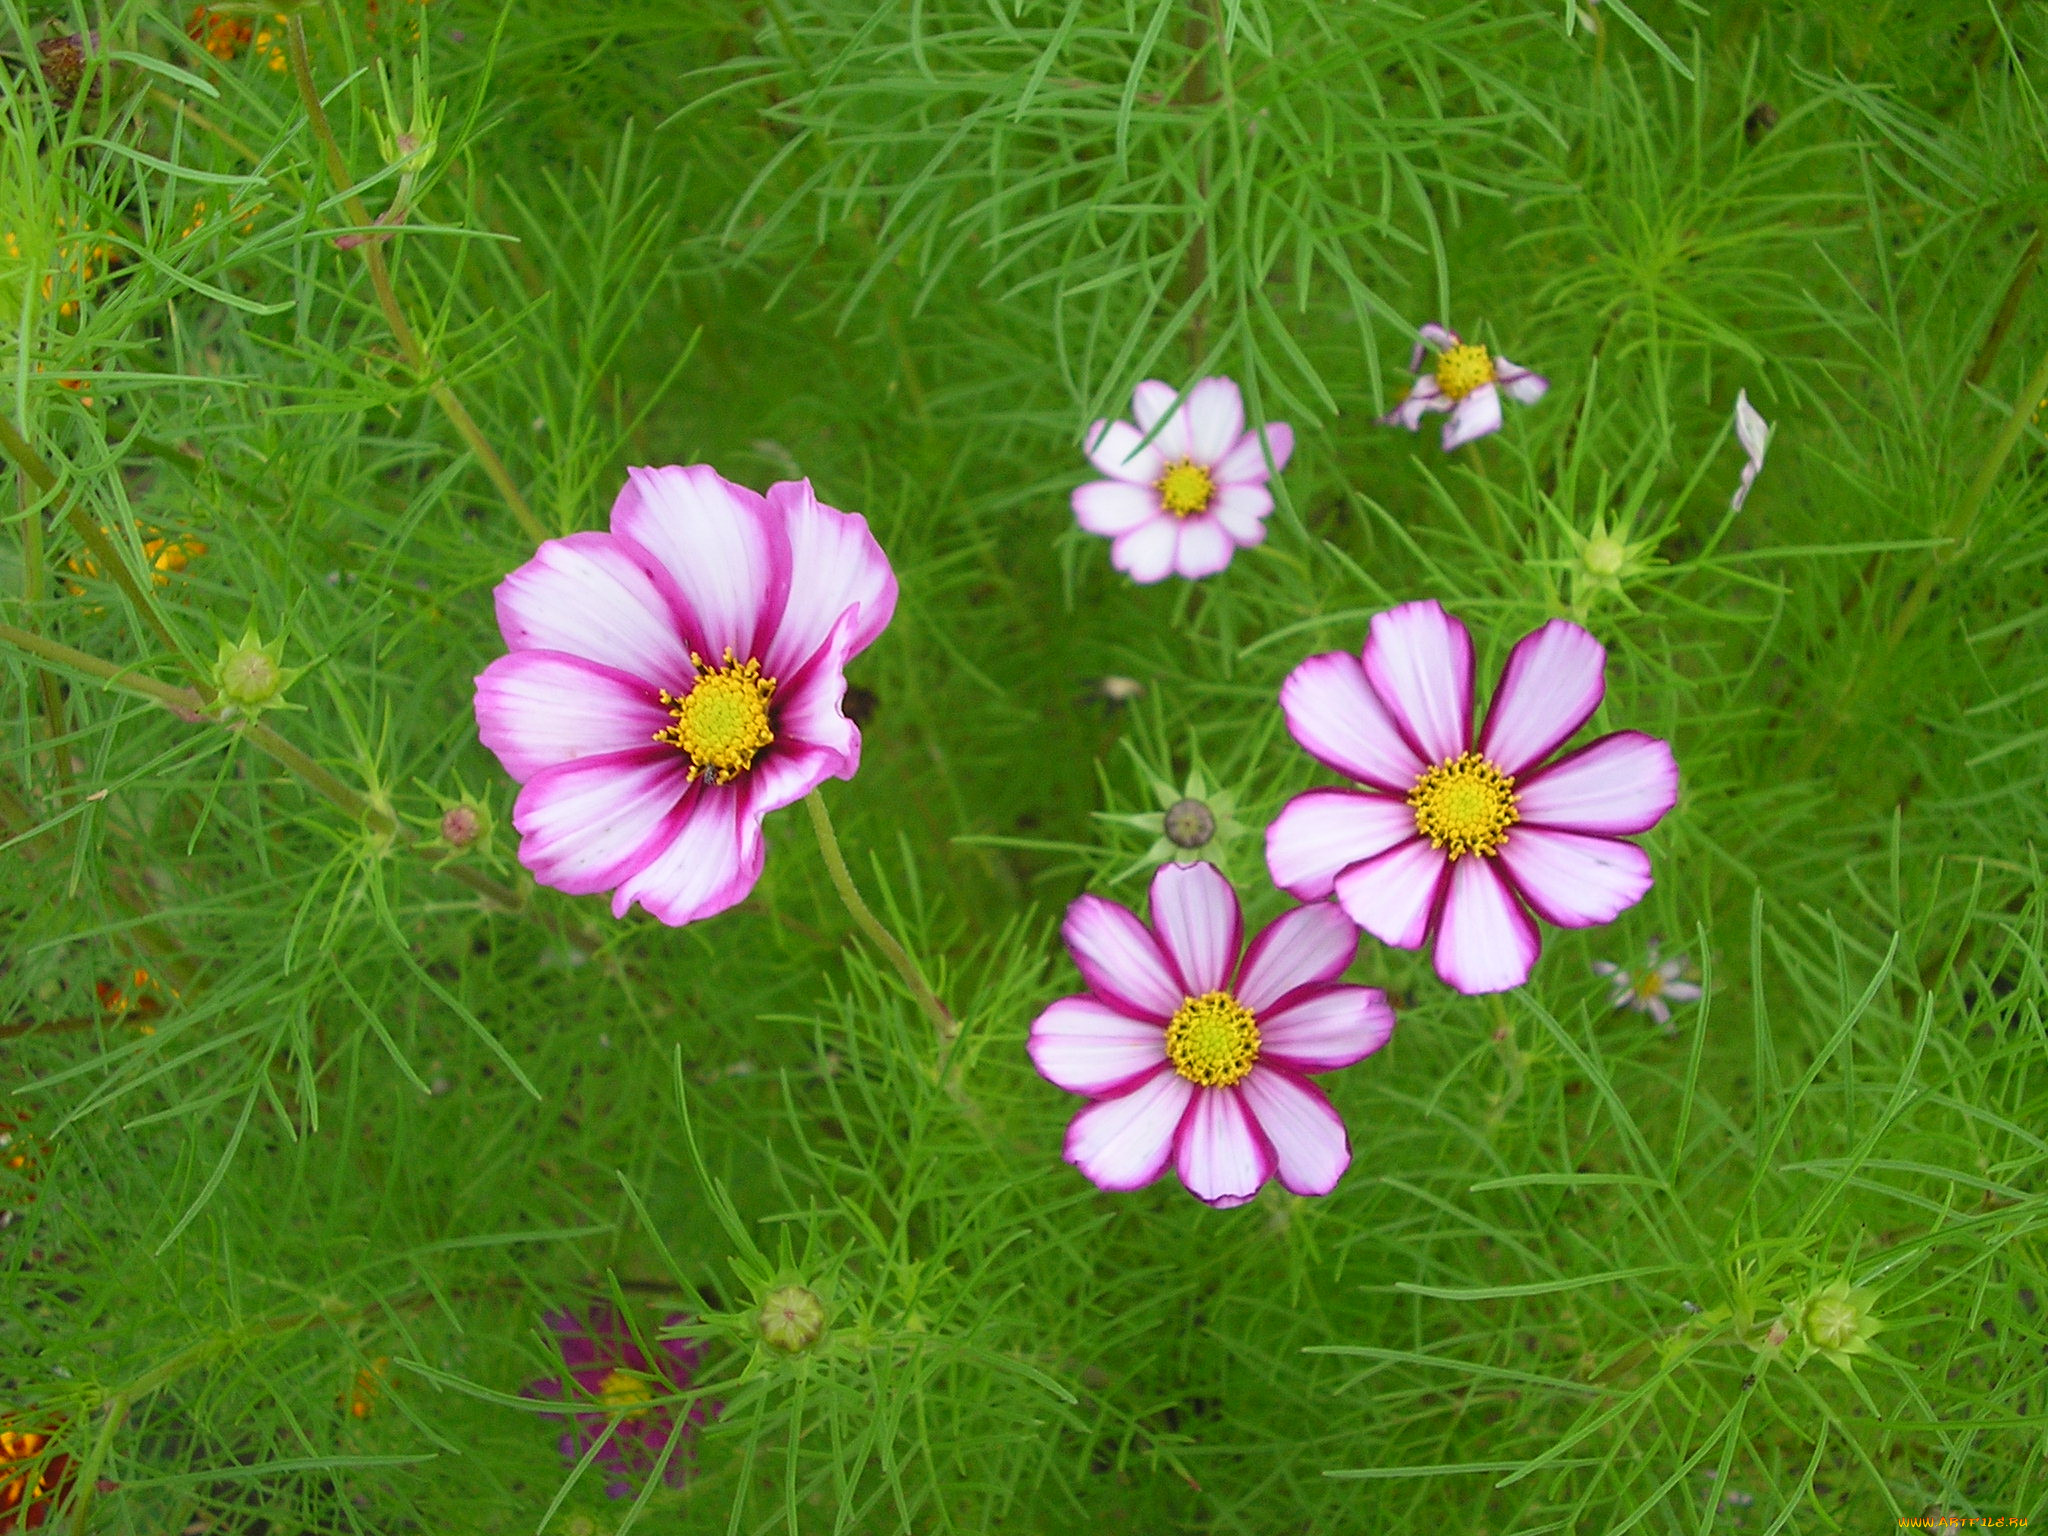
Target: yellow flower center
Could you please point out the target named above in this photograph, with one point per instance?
(1185, 489)
(1460, 370)
(722, 721)
(1464, 804)
(1648, 985)
(626, 1394)
(1213, 1040)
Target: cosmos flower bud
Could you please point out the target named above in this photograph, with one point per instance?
(1839, 1321)
(250, 675)
(63, 61)
(461, 825)
(1604, 555)
(1189, 824)
(792, 1319)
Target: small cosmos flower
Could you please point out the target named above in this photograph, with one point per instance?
(614, 1384)
(1458, 836)
(1196, 1050)
(1754, 433)
(1186, 501)
(1652, 990)
(674, 680)
(1467, 381)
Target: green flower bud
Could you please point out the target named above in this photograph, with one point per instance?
(250, 675)
(792, 1319)
(1604, 555)
(1839, 1322)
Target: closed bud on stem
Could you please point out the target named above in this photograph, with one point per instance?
(250, 675)
(1839, 1321)
(461, 826)
(792, 1319)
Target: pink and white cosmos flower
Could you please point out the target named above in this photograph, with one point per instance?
(674, 680)
(1189, 499)
(1468, 382)
(1454, 836)
(1189, 1066)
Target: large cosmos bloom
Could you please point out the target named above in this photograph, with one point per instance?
(615, 1383)
(674, 680)
(1190, 1066)
(1195, 494)
(1454, 835)
(1467, 381)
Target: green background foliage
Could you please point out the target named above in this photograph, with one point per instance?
(379, 1107)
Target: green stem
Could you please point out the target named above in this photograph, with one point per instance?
(842, 881)
(416, 355)
(32, 588)
(1511, 1059)
(2009, 309)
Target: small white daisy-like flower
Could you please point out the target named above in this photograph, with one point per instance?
(1653, 989)
(1754, 433)
(1467, 381)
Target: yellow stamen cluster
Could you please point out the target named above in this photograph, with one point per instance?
(1464, 804)
(722, 721)
(626, 1394)
(1213, 1040)
(1648, 985)
(1185, 488)
(1462, 369)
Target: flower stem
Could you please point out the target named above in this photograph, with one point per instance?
(1511, 1059)
(416, 356)
(2008, 310)
(842, 881)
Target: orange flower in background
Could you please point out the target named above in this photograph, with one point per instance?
(245, 213)
(143, 996)
(78, 262)
(270, 44)
(362, 1394)
(167, 555)
(20, 1164)
(221, 36)
(33, 1479)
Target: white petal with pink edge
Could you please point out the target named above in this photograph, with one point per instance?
(1220, 1152)
(1150, 402)
(537, 709)
(1204, 548)
(1302, 948)
(1423, 396)
(1112, 507)
(1085, 1046)
(584, 824)
(1114, 447)
(1485, 941)
(1572, 880)
(1311, 1148)
(1326, 1028)
(1473, 418)
(814, 740)
(1195, 914)
(1617, 785)
(1550, 687)
(587, 595)
(1145, 554)
(1522, 386)
(1394, 897)
(1125, 1142)
(1320, 834)
(1215, 417)
(1419, 661)
(1243, 510)
(708, 543)
(1342, 723)
(835, 568)
(1441, 337)
(1120, 960)
(1246, 464)
(711, 861)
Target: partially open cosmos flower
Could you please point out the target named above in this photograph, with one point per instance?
(34, 1479)
(1467, 381)
(1654, 988)
(1754, 433)
(1197, 1051)
(615, 1385)
(1187, 500)
(674, 680)
(1454, 835)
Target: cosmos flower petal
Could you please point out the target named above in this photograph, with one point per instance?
(814, 741)
(1574, 881)
(1125, 1141)
(1419, 661)
(1323, 1028)
(1215, 419)
(587, 596)
(584, 824)
(1121, 962)
(1311, 1148)
(1552, 683)
(1146, 553)
(1619, 784)
(709, 543)
(1220, 1152)
(1196, 915)
(1473, 417)
(1242, 509)
(1393, 897)
(537, 709)
(1114, 448)
(835, 568)
(1485, 942)
(1342, 722)
(1683, 991)
(1441, 337)
(1150, 402)
(710, 860)
(1424, 395)
(1245, 464)
(1113, 507)
(1306, 947)
(1751, 430)
(1522, 386)
(1085, 1046)
(1322, 833)
(1203, 548)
